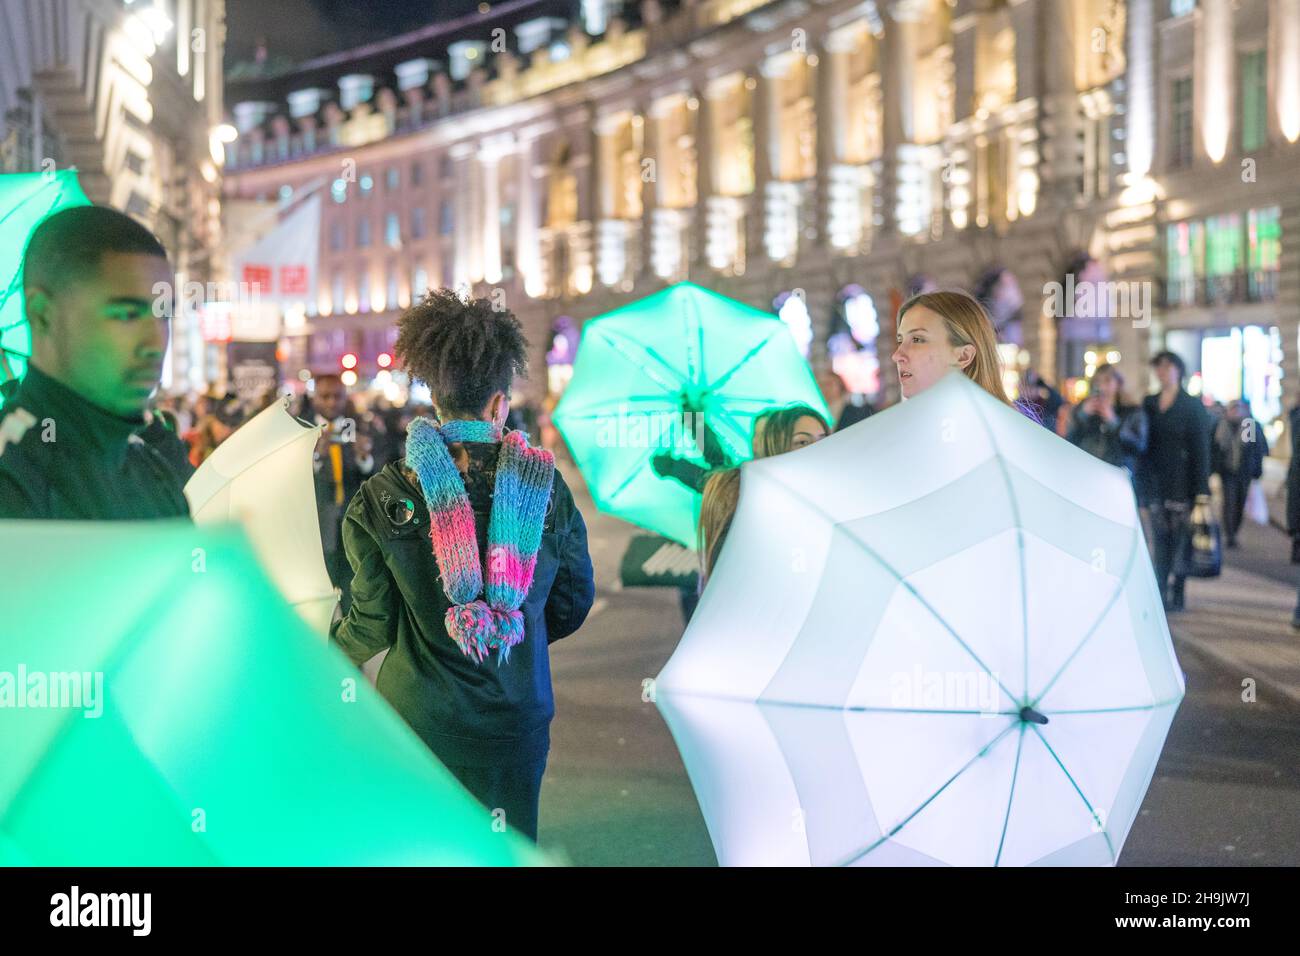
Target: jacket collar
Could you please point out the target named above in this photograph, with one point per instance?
(92, 431)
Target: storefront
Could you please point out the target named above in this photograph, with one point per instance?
(1221, 277)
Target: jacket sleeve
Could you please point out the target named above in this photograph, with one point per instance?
(1074, 434)
(369, 625)
(1133, 432)
(1201, 450)
(574, 587)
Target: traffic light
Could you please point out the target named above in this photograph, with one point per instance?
(384, 360)
(349, 360)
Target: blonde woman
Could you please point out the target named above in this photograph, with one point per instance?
(941, 331)
(775, 432)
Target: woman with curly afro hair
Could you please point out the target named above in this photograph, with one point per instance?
(469, 558)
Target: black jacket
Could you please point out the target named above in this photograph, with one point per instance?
(468, 714)
(1117, 443)
(62, 457)
(1252, 453)
(1176, 464)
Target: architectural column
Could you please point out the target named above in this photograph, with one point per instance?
(898, 63)
(649, 186)
(1284, 21)
(1059, 118)
(490, 211)
(611, 245)
(832, 121)
(527, 218)
(706, 117)
(1215, 78)
(468, 267)
(767, 150)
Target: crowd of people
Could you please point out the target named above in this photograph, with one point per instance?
(454, 541)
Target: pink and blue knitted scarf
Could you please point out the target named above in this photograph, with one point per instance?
(523, 487)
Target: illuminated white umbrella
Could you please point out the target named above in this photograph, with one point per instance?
(262, 477)
(932, 638)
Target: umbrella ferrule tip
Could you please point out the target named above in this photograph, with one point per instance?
(1030, 716)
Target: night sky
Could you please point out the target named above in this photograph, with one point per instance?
(301, 29)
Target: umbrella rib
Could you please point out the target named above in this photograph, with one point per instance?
(839, 708)
(620, 344)
(1091, 811)
(1011, 796)
(631, 475)
(1135, 709)
(1020, 544)
(14, 209)
(930, 799)
(1114, 598)
(726, 416)
(909, 587)
(725, 376)
(698, 379)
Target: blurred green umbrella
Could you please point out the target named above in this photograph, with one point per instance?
(652, 377)
(25, 200)
(160, 704)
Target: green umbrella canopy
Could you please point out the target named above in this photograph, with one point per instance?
(640, 367)
(25, 200)
(226, 733)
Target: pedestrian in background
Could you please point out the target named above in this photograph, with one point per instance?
(1106, 425)
(342, 460)
(776, 432)
(1173, 472)
(1293, 501)
(1237, 456)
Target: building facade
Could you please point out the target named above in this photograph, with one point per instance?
(130, 95)
(1110, 177)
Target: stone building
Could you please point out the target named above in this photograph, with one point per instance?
(1141, 156)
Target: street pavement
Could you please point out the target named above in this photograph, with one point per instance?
(1226, 791)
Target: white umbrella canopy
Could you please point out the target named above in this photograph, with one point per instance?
(933, 638)
(261, 476)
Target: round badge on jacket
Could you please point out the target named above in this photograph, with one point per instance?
(400, 511)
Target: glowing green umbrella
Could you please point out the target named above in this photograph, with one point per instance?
(25, 200)
(160, 704)
(651, 377)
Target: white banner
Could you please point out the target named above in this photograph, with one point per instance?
(278, 272)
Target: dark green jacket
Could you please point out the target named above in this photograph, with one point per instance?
(62, 457)
(468, 714)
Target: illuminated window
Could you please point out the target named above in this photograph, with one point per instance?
(363, 233)
(1254, 100)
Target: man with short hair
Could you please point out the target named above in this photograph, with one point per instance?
(1174, 471)
(70, 446)
(343, 460)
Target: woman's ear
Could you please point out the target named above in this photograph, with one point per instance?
(965, 355)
